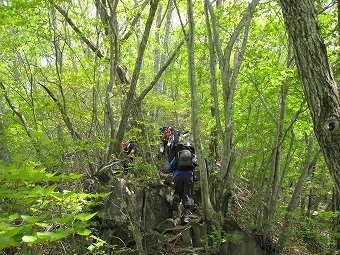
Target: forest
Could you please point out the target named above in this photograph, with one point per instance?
(253, 81)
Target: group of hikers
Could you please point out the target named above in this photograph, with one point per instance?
(181, 161)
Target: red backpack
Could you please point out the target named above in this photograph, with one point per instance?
(125, 145)
(167, 134)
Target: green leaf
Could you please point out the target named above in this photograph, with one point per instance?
(13, 217)
(63, 220)
(83, 232)
(57, 195)
(7, 241)
(42, 224)
(90, 248)
(29, 239)
(85, 216)
(45, 236)
(29, 219)
(72, 176)
(53, 236)
(33, 220)
(60, 234)
(48, 190)
(68, 193)
(11, 231)
(4, 225)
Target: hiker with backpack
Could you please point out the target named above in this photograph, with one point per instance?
(165, 133)
(130, 150)
(182, 167)
(174, 141)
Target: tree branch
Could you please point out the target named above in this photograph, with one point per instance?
(135, 76)
(159, 74)
(134, 22)
(263, 101)
(293, 120)
(62, 111)
(122, 71)
(180, 20)
(16, 111)
(78, 31)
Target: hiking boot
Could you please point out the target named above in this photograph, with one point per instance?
(175, 201)
(185, 217)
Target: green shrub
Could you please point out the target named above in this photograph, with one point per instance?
(34, 211)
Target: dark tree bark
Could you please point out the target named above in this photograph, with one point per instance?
(320, 88)
(338, 8)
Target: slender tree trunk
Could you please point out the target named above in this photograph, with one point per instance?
(16, 111)
(208, 211)
(274, 180)
(212, 65)
(229, 81)
(309, 163)
(157, 54)
(288, 159)
(129, 103)
(114, 59)
(166, 39)
(310, 197)
(4, 152)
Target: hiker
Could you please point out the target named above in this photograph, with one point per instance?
(130, 149)
(174, 141)
(182, 166)
(165, 137)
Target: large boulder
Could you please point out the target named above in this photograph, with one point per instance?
(240, 244)
(157, 204)
(131, 207)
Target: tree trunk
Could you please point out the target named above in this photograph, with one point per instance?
(338, 13)
(208, 211)
(129, 103)
(114, 59)
(309, 163)
(4, 153)
(319, 86)
(229, 81)
(336, 220)
(157, 54)
(166, 39)
(274, 178)
(16, 111)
